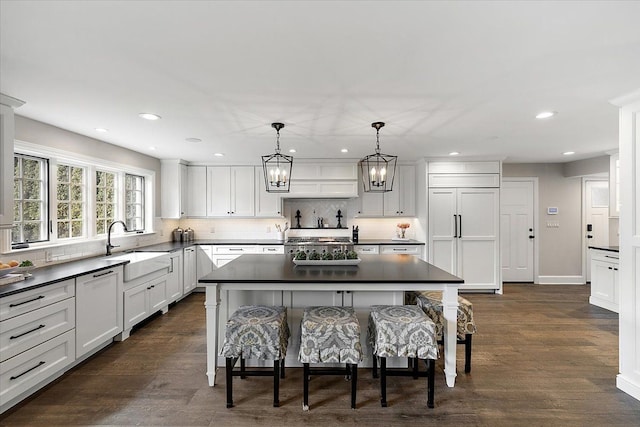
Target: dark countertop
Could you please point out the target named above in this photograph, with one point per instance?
(606, 248)
(372, 269)
(176, 246)
(388, 242)
(44, 276)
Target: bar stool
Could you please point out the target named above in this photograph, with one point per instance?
(330, 335)
(402, 331)
(258, 332)
(431, 304)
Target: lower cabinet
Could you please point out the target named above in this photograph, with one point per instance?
(605, 280)
(143, 300)
(175, 278)
(98, 308)
(190, 272)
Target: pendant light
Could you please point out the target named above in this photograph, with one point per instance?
(277, 167)
(378, 170)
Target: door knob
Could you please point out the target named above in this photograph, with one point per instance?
(532, 237)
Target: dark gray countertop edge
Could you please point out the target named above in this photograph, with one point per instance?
(176, 246)
(388, 242)
(606, 248)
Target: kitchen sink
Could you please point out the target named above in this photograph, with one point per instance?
(142, 263)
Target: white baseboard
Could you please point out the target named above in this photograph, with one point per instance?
(629, 387)
(561, 280)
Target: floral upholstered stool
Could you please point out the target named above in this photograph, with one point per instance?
(431, 304)
(402, 331)
(330, 335)
(256, 332)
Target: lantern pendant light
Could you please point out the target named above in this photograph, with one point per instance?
(378, 170)
(277, 167)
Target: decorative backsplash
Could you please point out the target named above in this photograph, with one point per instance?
(312, 210)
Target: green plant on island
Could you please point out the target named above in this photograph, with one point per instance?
(339, 255)
(314, 256)
(352, 255)
(327, 256)
(301, 255)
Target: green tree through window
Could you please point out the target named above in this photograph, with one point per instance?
(70, 201)
(30, 214)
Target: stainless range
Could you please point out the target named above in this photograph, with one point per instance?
(318, 244)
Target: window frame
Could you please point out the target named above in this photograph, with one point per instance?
(46, 197)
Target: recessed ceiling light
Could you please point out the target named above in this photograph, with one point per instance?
(568, 153)
(149, 116)
(292, 150)
(152, 148)
(193, 140)
(102, 130)
(453, 153)
(218, 154)
(546, 114)
(344, 150)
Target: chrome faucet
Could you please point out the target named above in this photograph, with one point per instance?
(109, 245)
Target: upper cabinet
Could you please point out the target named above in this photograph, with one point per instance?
(267, 204)
(7, 104)
(614, 185)
(323, 180)
(197, 191)
(230, 191)
(399, 202)
(174, 189)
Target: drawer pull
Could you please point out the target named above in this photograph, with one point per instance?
(613, 257)
(236, 249)
(271, 249)
(28, 301)
(15, 377)
(399, 249)
(13, 337)
(103, 274)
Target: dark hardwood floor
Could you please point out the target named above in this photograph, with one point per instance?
(542, 356)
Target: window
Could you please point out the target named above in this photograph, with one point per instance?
(30, 216)
(105, 200)
(70, 201)
(134, 202)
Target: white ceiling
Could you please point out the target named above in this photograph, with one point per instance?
(445, 76)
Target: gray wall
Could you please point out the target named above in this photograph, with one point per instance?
(593, 166)
(560, 249)
(35, 132)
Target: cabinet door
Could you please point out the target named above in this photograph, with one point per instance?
(189, 268)
(197, 191)
(175, 277)
(266, 204)
(407, 189)
(173, 183)
(136, 305)
(98, 309)
(478, 225)
(204, 261)
(158, 298)
(371, 204)
(218, 191)
(242, 191)
(6, 166)
(602, 280)
(442, 229)
(392, 199)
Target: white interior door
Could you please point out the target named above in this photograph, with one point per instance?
(596, 217)
(517, 231)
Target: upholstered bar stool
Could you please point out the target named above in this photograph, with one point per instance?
(256, 332)
(330, 335)
(402, 331)
(431, 304)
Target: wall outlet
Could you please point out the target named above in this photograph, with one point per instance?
(213, 230)
(161, 232)
(268, 229)
(48, 256)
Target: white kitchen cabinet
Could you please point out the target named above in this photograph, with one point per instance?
(197, 191)
(464, 234)
(614, 185)
(415, 250)
(143, 300)
(230, 191)
(367, 249)
(204, 260)
(401, 202)
(99, 308)
(223, 254)
(190, 272)
(324, 180)
(175, 286)
(267, 204)
(173, 181)
(605, 279)
(7, 130)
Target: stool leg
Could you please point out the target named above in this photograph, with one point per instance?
(305, 387)
(276, 383)
(229, 368)
(431, 368)
(354, 384)
(375, 366)
(415, 367)
(242, 368)
(282, 368)
(467, 353)
(383, 382)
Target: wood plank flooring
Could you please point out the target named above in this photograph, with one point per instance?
(542, 356)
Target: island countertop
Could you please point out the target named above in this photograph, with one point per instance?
(372, 269)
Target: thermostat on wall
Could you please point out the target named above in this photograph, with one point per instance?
(552, 211)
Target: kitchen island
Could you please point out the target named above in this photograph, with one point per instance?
(275, 280)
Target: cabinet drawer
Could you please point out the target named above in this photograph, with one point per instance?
(22, 332)
(464, 180)
(400, 249)
(27, 369)
(24, 302)
(605, 256)
(275, 249)
(367, 249)
(237, 250)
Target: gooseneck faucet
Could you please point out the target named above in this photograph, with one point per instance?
(109, 245)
